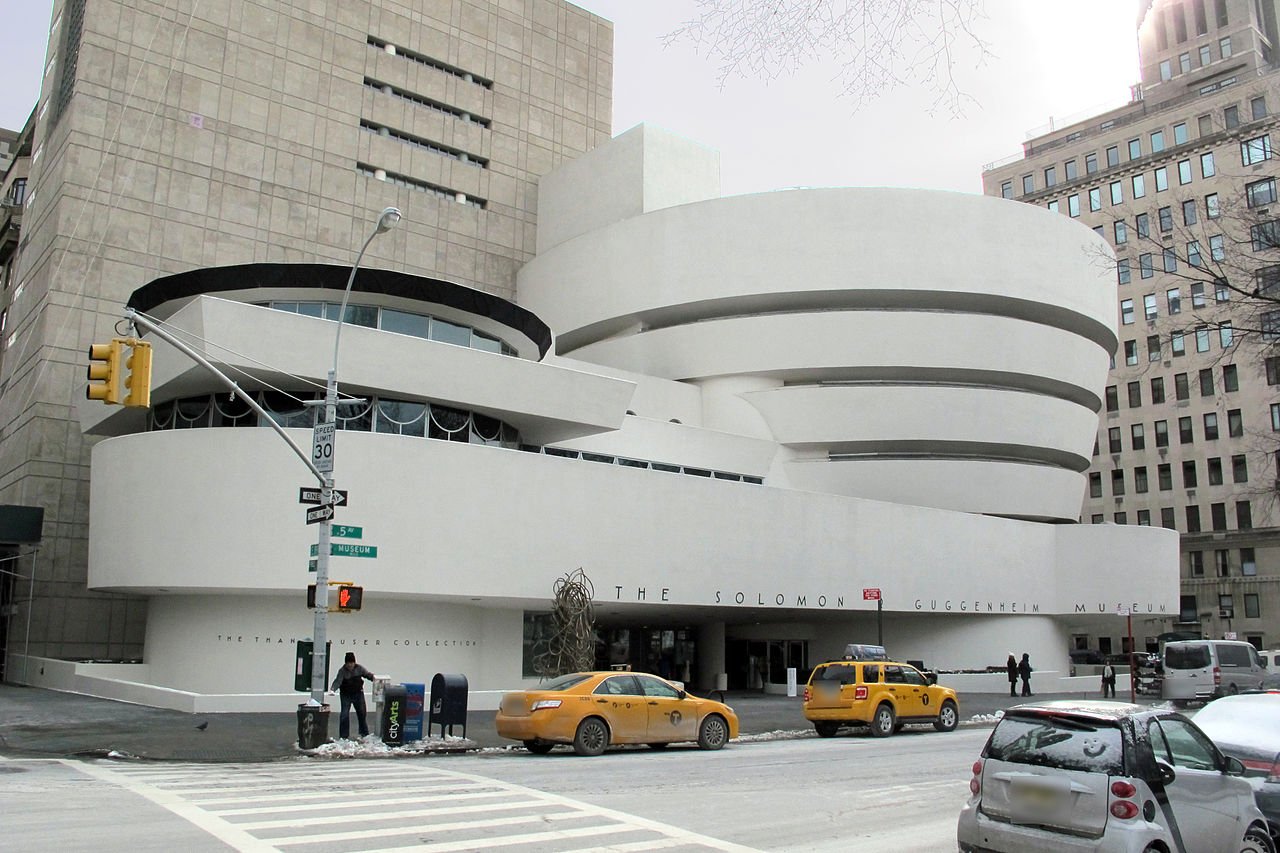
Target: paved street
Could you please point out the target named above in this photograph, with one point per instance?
(852, 792)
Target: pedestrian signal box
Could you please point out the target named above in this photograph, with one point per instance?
(349, 597)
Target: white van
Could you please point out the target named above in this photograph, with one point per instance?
(1206, 669)
(1271, 660)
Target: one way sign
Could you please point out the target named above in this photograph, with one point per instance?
(309, 495)
(320, 513)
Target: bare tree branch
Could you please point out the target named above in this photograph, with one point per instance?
(878, 44)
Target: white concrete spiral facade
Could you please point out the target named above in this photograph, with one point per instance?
(952, 346)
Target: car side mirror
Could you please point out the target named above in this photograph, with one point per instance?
(1233, 766)
(1165, 772)
(682, 694)
(931, 677)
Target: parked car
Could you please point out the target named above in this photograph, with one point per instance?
(1199, 670)
(1107, 776)
(1083, 656)
(881, 695)
(592, 710)
(1271, 660)
(1248, 728)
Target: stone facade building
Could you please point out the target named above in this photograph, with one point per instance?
(1182, 183)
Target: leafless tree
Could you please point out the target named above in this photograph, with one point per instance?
(878, 44)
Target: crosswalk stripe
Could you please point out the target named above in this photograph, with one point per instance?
(357, 834)
(511, 840)
(366, 817)
(351, 803)
(314, 795)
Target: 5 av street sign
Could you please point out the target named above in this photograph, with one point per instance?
(311, 495)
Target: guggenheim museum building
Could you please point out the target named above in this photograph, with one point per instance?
(763, 427)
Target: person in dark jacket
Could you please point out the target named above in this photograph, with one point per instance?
(349, 684)
(1012, 666)
(1108, 681)
(1024, 672)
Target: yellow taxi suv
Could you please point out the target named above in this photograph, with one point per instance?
(881, 695)
(593, 710)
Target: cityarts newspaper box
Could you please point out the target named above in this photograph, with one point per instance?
(392, 718)
(448, 704)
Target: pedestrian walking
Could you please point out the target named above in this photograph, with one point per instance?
(1108, 681)
(1024, 672)
(349, 684)
(1012, 666)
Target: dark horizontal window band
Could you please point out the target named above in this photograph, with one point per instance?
(423, 142)
(956, 451)
(943, 377)
(423, 100)
(431, 62)
(760, 304)
(318, 278)
(420, 185)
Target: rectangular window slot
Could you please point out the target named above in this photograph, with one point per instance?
(423, 100)
(422, 59)
(437, 147)
(420, 185)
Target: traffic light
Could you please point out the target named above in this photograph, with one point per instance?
(311, 595)
(349, 597)
(105, 381)
(138, 383)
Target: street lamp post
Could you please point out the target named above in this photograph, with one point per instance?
(319, 637)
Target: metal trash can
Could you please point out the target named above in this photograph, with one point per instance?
(448, 704)
(391, 725)
(313, 726)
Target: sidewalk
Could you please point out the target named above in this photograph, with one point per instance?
(45, 723)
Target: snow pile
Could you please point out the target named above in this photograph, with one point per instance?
(371, 746)
(985, 719)
(776, 734)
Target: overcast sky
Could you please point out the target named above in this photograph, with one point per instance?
(1050, 59)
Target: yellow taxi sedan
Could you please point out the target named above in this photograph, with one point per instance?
(593, 710)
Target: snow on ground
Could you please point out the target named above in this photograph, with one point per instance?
(371, 746)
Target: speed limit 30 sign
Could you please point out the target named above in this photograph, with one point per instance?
(322, 447)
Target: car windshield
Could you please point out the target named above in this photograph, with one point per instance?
(564, 682)
(1067, 744)
(840, 673)
(1252, 722)
(1186, 657)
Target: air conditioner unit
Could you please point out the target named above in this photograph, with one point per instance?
(1225, 613)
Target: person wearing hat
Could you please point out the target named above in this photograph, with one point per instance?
(349, 684)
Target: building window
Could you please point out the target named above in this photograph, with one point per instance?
(1272, 364)
(1112, 398)
(1166, 70)
(1205, 55)
(1173, 298)
(1221, 566)
(1113, 156)
(1261, 193)
(1164, 476)
(1122, 232)
(1143, 223)
(1139, 186)
(1165, 216)
(1207, 168)
(1235, 424)
(1202, 339)
(1231, 117)
(1248, 563)
(1140, 480)
(1135, 149)
(1187, 610)
(1193, 522)
(1113, 439)
(1256, 150)
(1217, 248)
(1122, 271)
(1166, 518)
(1050, 177)
(1184, 61)
(1144, 518)
(1267, 280)
(1251, 610)
(1275, 417)
(1265, 235)
(1126, 312)
(1169, 260)
(1073, 205)
(1224, 334)
(1117, 192)
(1053, 205)
(1095, 484)
(1258, 107)
(1214, 467)
(1218, 516)
(1184, 173)
(1206, 382)
(1189, 474)
(1096, 518)
(1197, 294)
(1069, 169)
(1120, 518)
(1095, 199)
(1162, 433)
(1146, 269)
(1006, 189)
(1134, 390)
(1185, 434)
(1180, 133)
(1162, 179)
(1224, 47)
(1221, 291)
(1028, 184)
(1157, 389)
(1149, 306)
(1153, 347)
(1193, 253)
(1117, 482)
(1230, 378)
(1239, 469)
(1090, 163)
(1138, 437)
(1220, 12)
(1244, 515)
(1205, 125)
(1131, 353)
(1178, 346)
(1196, 563)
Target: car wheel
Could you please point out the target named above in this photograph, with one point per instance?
(826, 729)
(882, 724)
(658, 745)
(592, 737)
(1257, 840)
(538, 747)
(713, 733)
(948, 717)
(1233, 689)
(1179, 703)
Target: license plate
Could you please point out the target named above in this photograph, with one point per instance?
(1036, 798)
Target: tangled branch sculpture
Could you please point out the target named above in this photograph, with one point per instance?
(572, 644)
